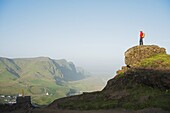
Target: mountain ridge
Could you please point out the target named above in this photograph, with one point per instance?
(38, 76)
(59, 68)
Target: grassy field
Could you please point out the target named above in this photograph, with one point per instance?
(38, 88)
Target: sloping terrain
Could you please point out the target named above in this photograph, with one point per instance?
(39, 67)
(139, 85)
(42, 78)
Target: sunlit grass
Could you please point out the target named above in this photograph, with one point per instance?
(158, 61)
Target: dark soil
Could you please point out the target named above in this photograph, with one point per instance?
(117, 110)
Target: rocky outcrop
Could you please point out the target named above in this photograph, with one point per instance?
(132, 88)
(138, 53)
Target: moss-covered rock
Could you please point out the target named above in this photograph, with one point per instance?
(159, 62)
(138, 53)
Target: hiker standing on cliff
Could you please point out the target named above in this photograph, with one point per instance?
(142, 35)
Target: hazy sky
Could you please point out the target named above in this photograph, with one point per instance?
(93, 34)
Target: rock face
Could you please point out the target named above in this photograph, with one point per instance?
(138, 53)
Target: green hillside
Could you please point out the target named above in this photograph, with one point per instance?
(43, 78)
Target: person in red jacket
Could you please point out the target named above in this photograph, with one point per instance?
(141, 38)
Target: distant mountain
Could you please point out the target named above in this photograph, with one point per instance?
(43, 78)
(40, 67)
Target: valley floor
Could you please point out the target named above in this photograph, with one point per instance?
(149, 110)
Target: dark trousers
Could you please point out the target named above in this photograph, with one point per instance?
(141, 41)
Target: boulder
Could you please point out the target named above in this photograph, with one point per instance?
(138, 53)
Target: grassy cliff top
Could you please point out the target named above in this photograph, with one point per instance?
(159, 61)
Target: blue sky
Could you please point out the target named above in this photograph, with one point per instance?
(93, 34)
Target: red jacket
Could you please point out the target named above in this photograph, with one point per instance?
(141, 34)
